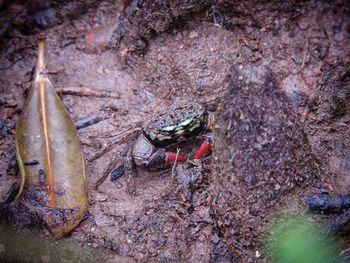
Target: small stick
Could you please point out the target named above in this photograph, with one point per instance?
(108, 170)
(129, 135)
(104, 151)
(85, 91)
(12, 64)
(11, 193)
(166, 189)
(174, 165)
(121, 133)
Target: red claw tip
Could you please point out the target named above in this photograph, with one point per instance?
(205, 147)
(171, 157)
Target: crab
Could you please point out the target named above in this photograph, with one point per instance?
(150, 148)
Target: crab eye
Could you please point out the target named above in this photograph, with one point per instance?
(185, 122)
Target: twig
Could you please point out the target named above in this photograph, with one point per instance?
(104, 151)
(11, 193)
(127, 130)
(174, 165)
(129, 135)
(166, 189)
(85, 91)
(12, 64)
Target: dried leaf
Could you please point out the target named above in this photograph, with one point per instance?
(54, 187)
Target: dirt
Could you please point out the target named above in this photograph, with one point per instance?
(271, 163)
(278, 74)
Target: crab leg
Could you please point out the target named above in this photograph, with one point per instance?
(204, 149)
(159, 160)
(172, 157)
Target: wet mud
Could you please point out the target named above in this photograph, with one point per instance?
(276, 74)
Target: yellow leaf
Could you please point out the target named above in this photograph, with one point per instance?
(54, 188)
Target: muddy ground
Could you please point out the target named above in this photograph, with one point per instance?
(278, 74)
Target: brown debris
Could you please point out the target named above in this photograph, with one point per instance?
(262, 155)
(89, 92)
(283, 141)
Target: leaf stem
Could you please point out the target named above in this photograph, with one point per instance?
(41, 59)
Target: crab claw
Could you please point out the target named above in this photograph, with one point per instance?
(171, 157)
(205, 148)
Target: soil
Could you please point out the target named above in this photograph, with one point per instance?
(277, 74)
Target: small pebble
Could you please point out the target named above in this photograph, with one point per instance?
(193, 34)
(160, 57)
(101, 197)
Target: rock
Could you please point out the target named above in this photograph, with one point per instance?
(193, 34)
(101, 197)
